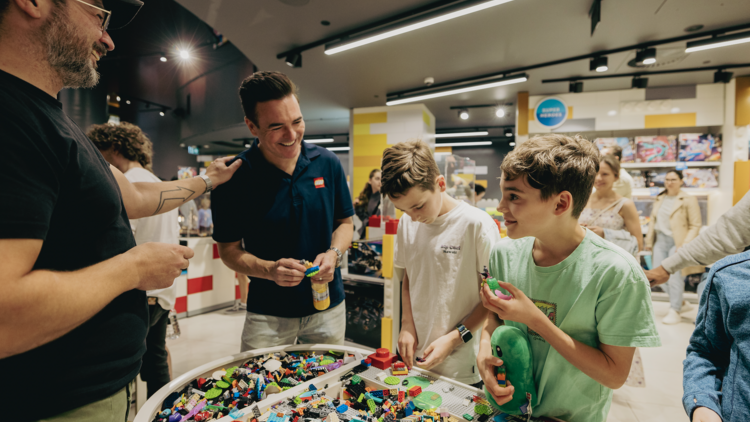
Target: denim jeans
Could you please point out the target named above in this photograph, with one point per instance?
(664, 247)
(327, 327)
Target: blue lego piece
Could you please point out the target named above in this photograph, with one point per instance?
(343, 408)
(373, 398)
(408, 411)
(312, 388)
(236, 413)
(377, 393)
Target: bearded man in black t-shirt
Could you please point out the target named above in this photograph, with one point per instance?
(73, 309)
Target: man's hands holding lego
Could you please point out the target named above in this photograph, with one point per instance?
(519, 309)
(287, 272)
(407, 343)
(327, 263)
(439, 349)
(486, 363)
(158, 264)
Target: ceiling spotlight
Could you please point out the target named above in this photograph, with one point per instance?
(639, 82)
(184, 54)
(722, 76)
(163, 58)
(599, 64)
(500, 112)
(512, 144)
(247, 145)
(127, 101)
(118, 98)
(508, 134)
(646, 56)
(161, 113)
(463, 114)
(575, 87)
(294, 60)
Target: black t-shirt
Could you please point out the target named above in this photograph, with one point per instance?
(57, 187)
(278, 215)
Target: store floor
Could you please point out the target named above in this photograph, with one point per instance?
(211, 336)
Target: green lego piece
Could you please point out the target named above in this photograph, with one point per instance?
(512, 345)
(327, 361)
(422, 382)
(371, 405)
(392, 381)
(356, 380)
(468, 417)
(297, 401)
(428, 400)
(482, 409)
(361, 397)
(222, 384)
(213, 393)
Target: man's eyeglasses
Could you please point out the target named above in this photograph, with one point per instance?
(102, 14)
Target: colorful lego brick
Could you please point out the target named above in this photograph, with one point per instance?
(468, 417)
(382, 358)
(401, 396)
(415, 391)
(371, 405)
(356, 380)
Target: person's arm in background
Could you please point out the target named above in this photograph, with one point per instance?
(145, 199)
(707, 360)
(695, 221)
(632, 223)
(407, 337)
(730, 235)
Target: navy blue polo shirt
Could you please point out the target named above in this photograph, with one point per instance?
(281, 216)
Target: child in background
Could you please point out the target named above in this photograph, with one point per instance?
(442, 244)
(584, 303)
(205, 217)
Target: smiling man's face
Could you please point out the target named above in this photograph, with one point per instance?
(280, 127)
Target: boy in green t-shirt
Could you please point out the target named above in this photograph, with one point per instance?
(584, 303)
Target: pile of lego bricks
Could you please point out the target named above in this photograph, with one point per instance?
(229, 390)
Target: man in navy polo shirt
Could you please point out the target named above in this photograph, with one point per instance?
(288, 201)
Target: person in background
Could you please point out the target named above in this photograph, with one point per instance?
(610, 215)
(479, 192)
(675, 221)
(624, 184)
(205, 218)
(730, 235)
(367, 203)
(127, 148)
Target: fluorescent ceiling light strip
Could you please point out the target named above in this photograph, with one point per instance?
(457, 91)
(461, 134)
(464, 144)
(319, 141)
(716, 42)
(338, 148)
(415, 26)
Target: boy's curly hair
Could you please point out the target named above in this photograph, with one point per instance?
(555, 163)
(126, 138)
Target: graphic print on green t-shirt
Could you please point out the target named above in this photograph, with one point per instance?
(549, 309)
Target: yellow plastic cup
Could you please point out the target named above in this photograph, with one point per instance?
(321, 297)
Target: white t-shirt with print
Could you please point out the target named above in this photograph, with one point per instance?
(443, 261)
(163, 228)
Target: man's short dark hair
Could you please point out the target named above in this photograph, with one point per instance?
(264, 86)
(478, 188)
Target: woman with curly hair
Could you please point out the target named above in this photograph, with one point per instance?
(126, 147)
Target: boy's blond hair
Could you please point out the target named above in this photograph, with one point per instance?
(406, 165)
(555, 163)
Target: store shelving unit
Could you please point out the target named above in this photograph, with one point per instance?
(665, 164)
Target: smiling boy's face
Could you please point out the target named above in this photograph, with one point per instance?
(421, 205)
(525, 213)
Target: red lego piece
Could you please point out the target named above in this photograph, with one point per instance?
(401, 396)
(368, 361)
(391, 226)
(201, 381)
(415, 391)
(382, 358)
(296, 418)
(374, 221)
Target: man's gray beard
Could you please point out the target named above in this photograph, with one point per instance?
(68, 54)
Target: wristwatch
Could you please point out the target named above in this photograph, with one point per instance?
(464, 332)
(339, 255)
(209, 185)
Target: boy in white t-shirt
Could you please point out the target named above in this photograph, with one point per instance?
(443, 245)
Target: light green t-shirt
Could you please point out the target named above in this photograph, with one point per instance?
(596, 295)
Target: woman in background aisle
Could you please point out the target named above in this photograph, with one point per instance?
(675, 221)
(367, 203)
(610, 215)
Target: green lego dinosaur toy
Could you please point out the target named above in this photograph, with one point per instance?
(512, 346)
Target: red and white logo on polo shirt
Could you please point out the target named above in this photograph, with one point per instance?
(319, 182)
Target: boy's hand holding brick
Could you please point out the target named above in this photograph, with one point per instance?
(519, 309)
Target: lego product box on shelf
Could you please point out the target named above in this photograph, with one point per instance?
(703, 178)
(628, 151)
(699, 147)
(365, 258)
(655, 149)
(364, 312)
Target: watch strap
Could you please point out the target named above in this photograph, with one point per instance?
(339, 255)
(209, 185)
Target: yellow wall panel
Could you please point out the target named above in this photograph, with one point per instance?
(369, 161)
(742, 101)
(444, 149)
(369, 144)
(362, 129)
(531, 115)
(741, 180)
(368, 118)
(481, 183)
(669, 120)
(387, 256)
(426, 118)
(570, 112)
